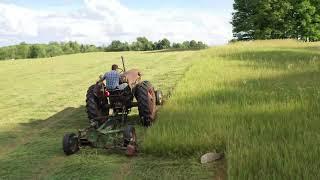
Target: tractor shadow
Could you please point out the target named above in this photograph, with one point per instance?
(51, 130)
(70, 118)
(35, 147)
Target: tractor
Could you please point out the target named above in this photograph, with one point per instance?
(108, 111)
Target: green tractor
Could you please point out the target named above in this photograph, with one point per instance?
(108, 114)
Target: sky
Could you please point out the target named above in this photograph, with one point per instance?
(101, 21)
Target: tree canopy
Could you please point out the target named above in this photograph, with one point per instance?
(276, 19)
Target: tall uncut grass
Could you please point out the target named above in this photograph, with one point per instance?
(259, 102)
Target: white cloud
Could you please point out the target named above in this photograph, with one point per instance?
(12, 18)
(102, 21)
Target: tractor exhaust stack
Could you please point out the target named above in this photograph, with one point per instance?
(124, 67)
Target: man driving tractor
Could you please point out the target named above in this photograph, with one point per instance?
(112, 79)
(122, 87)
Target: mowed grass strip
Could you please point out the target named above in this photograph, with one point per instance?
(43, 99)
(259, 102)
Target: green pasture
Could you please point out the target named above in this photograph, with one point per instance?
(258, 102)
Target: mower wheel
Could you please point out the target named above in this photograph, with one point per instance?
(146, 99)
(129, 136)
(130, 140)
(159, 97)
(70, 144)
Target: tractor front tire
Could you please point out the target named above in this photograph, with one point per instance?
(146, 99)
(70, 144)
(94, 107)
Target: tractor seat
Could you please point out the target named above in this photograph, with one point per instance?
(119, 90)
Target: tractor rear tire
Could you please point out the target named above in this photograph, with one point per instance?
(146, 98)
(94, 107)
(70, 144)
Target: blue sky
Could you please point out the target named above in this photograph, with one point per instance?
(206, 20)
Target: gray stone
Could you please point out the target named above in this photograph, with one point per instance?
(210, 157)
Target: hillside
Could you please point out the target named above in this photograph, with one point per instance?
(256, 101)
(259, 102)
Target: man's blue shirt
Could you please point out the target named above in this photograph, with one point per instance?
(112, 79)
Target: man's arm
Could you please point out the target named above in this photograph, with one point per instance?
(103, 78)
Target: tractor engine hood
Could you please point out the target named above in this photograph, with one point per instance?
(132, 77)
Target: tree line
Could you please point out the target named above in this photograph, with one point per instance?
(24, 50)
(143, 44)
(276, 19)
